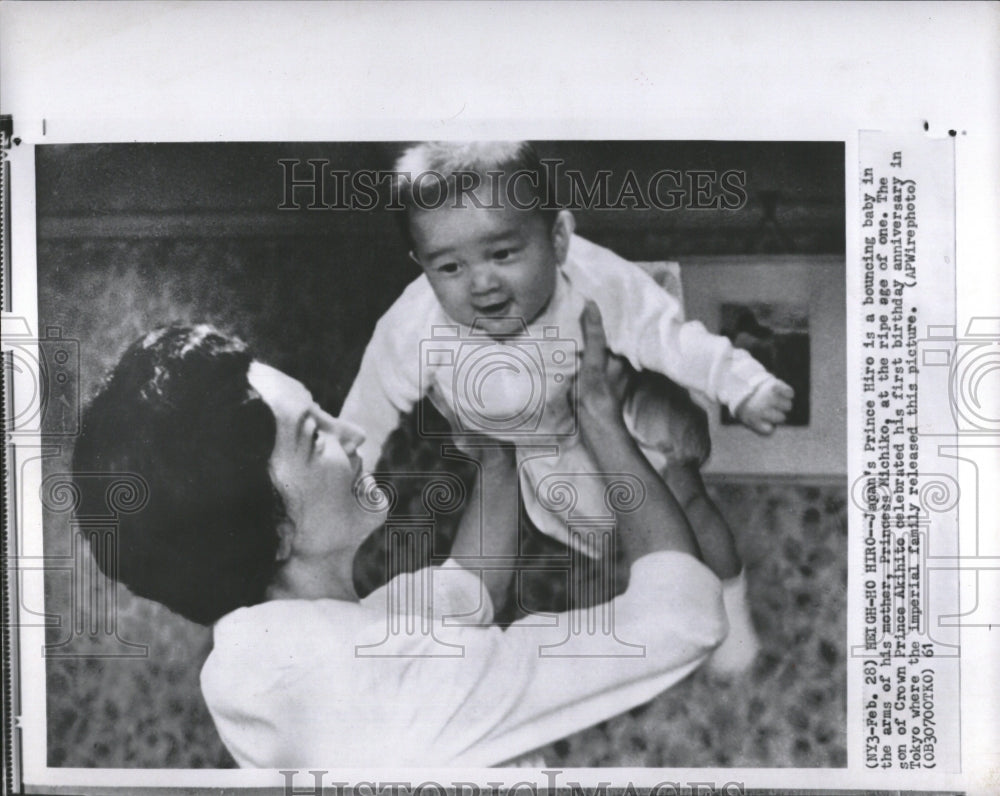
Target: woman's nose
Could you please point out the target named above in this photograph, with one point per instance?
(351, 436)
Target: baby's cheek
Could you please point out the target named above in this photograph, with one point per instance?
(447, 291)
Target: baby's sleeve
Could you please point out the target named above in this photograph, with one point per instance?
(642, 323)
(388, 381)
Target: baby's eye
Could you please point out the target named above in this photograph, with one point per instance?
(447, 268)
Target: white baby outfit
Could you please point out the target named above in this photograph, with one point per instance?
(520, 388)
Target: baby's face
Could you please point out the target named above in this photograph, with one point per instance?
(495, 266)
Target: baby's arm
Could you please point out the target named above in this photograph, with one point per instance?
(643, 324)
(388, 381)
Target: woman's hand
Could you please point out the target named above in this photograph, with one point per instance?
(659, 522)
(602, 379)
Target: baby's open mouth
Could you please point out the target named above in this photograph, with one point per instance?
(495, 308)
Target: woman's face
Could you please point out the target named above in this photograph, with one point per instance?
(315, 466)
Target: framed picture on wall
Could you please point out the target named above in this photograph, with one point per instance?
(776, 334)
(788, 312)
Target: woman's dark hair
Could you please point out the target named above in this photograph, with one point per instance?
(179, 413)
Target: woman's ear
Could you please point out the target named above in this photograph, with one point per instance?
(286, 534)
(562, 232)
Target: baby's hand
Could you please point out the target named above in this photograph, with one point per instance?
(766, 407)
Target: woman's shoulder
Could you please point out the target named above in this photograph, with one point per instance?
(272, 651)
(276, 634)
(287, 682)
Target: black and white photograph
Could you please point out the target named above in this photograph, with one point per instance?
(540, 396)
(148, 251)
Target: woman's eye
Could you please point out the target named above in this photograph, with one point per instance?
(315, 438)
(501, 254)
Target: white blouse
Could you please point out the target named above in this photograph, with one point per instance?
(416, 675)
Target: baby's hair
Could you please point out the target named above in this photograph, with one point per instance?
(432, 173)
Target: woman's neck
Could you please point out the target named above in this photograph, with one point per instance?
(315, 578)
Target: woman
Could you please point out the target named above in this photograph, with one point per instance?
(257, 505)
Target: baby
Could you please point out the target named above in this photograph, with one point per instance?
(491, 334)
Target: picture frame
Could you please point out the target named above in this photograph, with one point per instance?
(816, 282)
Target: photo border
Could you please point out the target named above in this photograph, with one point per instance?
(63, 94)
